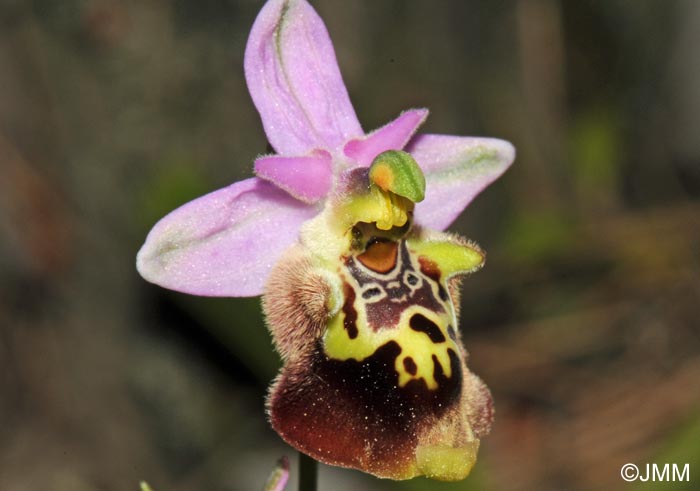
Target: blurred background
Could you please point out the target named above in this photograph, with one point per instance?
(584, 323)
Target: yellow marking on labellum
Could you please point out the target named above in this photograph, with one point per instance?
(414, 345)
(418, 347)
(450, 257)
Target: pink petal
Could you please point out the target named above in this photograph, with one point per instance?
(456, 169)
(294, 80)
(392, 136)
(224, 243)
(306, 178)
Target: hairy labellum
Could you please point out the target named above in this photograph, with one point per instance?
(375, 374)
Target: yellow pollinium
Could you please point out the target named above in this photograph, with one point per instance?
(383, 208)
(382, 196)
(382, 176)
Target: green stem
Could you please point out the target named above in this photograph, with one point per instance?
(308, 473)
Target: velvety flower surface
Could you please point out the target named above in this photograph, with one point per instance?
(340, 229)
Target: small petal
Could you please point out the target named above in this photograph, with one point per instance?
(456, 170)
(295, 82)
(306, 178)
(224, 243)
(392, 136)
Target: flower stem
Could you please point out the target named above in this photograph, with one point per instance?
(308, 473)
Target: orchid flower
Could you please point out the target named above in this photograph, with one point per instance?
(341, 232)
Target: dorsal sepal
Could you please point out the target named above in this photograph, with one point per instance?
(398, 172)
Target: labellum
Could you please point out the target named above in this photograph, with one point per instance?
(364, 312)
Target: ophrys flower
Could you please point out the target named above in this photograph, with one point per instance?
(341, 232)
